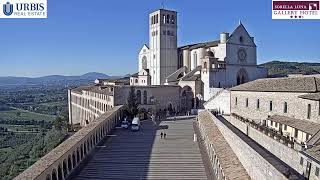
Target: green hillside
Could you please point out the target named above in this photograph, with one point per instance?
(282, 68)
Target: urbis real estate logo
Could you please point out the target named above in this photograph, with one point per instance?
(23, 9)
(295, 9)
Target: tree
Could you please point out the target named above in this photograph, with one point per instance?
(60, 123)
(132, 103)
(18, 114)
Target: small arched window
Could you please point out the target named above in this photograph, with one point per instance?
(138, 96)
(144, 62)
(69, 164)
(54, 175)
(309, 111)
(145, 97)
(59, 172)
(180, 62)
(74, 162)
(65, 168)
(136, 81)
(285, 107)
(194, 59)
(241, 39)
(157, 18)
(168, 19)
(172, 19)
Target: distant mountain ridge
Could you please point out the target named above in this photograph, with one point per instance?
(283, 68)
(54, 79)
(275, 69)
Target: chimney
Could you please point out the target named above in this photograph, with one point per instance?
(224, 36)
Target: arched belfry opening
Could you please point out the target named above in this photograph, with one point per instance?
(144, 62)
(242, 76)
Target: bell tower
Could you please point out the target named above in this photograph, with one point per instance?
(163, 45)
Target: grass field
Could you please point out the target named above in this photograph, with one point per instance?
(19, 114)
(21, 128)
(59, 103)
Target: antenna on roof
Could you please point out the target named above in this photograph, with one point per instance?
(162, 4)
(240, 22)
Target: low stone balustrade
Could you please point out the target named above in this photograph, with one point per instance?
(224, 161)
(265, 130)
(63, 160)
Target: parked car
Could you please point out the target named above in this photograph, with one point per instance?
(135, 125)
(125, 124)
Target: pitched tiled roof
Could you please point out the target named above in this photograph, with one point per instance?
(83, 88)
(303, 125)
(195, 77)
(288, 84)
(311, 96)
(313, 152)
(93, 88)
(199, 45)
(135, 75)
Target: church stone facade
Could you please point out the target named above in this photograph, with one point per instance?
(171, 78)
(223, 63)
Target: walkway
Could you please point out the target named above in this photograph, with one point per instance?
(144, 155)
(268, 156)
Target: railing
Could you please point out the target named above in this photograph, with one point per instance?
(214, 161)
(267, 131)
(63, 160)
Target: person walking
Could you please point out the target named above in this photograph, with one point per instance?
(164, 135)
(161, 134)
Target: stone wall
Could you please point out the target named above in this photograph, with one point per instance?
(221, 102)
(297, 107)
(63, 160)
(164, 95)
(224, 161)
(257, 166)
(283, 152)
(85, 106)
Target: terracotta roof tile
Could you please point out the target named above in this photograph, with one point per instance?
(288, 84)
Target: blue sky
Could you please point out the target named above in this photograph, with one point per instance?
(106, 35)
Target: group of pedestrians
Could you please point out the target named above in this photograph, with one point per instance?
(163, 135)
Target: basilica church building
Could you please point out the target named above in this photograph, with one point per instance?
(203, 68)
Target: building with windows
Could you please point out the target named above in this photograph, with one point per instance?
(294, 97)
(205, 68)
(284, 112)
(87, 103)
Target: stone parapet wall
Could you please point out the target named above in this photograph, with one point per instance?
(256, 166)
(258, 162)
(283, 152)
(224, 161)
(64, 159)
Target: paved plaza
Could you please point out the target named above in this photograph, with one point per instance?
(144, 155)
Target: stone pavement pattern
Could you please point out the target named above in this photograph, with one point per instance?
(144, 155)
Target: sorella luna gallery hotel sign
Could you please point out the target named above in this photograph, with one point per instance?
(23, 9)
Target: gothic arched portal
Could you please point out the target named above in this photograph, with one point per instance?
(242, 76)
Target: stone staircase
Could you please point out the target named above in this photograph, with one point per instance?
(144, 155)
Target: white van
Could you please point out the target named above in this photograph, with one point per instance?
(135, 125)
